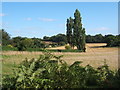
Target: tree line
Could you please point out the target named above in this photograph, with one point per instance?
(111, 40)
(22, 43)
(59, 39)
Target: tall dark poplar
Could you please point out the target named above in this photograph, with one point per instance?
(70, 32)
(75, 32)
(78, 30)
(83, 40)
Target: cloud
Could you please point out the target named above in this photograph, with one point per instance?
(46, 19)
(102, 29)
(2, 14)
(28, 19)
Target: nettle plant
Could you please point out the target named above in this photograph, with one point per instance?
(50, 71)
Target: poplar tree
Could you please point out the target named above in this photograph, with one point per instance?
(69, 32)
(75, 32)
(83, 40)
(78, 31)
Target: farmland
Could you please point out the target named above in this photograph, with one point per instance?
(94, 55)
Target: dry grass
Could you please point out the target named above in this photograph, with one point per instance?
(94, 56)
(87, 45)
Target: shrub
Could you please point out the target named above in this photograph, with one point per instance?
(10, 46)
(68, 47)
(49, 71)
(62, 43)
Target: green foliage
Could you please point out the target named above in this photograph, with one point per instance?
(5, 37)
(75, 32)
(69, 32)
(49, 71)
(68, 47)
(23, 43)
(8, 48)
(112, 40)
(60, 39)
(37, 44)
(98, 38)
(79, 31)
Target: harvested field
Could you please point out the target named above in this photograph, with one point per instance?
(95, 56)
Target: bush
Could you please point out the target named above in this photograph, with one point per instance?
(68, 47)
(62, 43)
(10, 46)
(49, 71)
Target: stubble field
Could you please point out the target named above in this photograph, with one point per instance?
(94, 55)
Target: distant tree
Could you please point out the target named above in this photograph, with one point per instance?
(45, 38)
(69, 32)
(89, 38)
(78, 31)
(38, 43)
(110, 39)
(5, 37)
(59, 38)
(83, 40)
(75, 31)
(98, 38)
(21, 46)
(117, 42)
(28, 43)
(22, 43)
(15, 41)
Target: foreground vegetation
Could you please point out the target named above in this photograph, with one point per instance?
(49, 71)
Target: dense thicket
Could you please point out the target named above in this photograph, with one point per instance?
(49, 71)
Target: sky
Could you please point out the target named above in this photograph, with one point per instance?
(38, 19)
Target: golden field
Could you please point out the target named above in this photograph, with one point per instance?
(94, 55)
